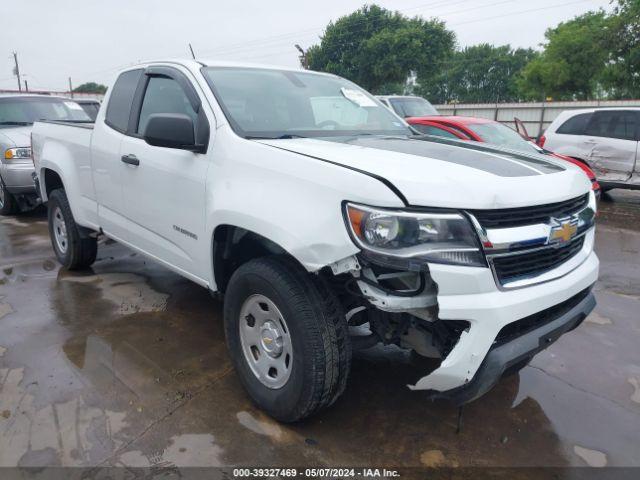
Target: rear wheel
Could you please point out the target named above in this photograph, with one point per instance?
(72, 244)
(8, 204)
(287, 337)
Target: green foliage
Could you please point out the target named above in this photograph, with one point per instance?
(90, 87)
(479, 74)
(595, 55)
(622, 75)
(375, 47)
(573, 62)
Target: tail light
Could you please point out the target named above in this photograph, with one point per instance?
(541, 141)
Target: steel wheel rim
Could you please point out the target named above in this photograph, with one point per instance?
(266, 341)
(60, 231)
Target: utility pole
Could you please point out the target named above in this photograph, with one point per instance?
(16, 70)
(26, 85)
(70, 88)
(304, 61)
(193, 55)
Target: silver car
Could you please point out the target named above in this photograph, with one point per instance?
(17, 114)
(606, 139)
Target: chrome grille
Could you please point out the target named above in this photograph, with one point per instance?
(518, 217)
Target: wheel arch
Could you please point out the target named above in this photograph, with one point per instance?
(233, 246)
(50, 180)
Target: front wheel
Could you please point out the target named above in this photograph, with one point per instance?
(73, 246)
(8, 204)
(287, 337)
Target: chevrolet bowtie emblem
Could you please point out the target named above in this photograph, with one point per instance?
(563, 233)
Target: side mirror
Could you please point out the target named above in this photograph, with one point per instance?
(171, 130)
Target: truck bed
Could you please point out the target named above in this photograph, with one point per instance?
(64, 147)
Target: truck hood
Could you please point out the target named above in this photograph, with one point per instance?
(15, 137)
(449, 174)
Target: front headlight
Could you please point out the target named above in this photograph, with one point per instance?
(17, 153)
(407, 240)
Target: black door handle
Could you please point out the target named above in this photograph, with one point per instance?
(130, 160)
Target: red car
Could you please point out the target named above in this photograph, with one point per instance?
(489, 131)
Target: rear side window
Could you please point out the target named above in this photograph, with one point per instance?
(613, 124)
(575, 125)
(121, 100)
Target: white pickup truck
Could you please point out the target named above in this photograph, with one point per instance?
(312, 209)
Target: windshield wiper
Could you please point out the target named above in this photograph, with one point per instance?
(286, 136)
(22, 124)
(289, 135)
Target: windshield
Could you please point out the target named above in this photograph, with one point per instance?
(26, 110)
(413, 107)
(501, 135)
(265, 103)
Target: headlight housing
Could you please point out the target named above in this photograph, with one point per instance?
(408, 240)
(20, 153)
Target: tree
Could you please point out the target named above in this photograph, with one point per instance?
(479, 74)
(573, 62)
(91, 87)
(377, 48)
(622, 74)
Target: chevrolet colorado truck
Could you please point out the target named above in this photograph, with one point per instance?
(326, 224)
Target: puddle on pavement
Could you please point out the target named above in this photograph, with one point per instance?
(130, 293)
(127, 365)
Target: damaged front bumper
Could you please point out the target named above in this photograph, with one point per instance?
(482, 353)
(507, 355)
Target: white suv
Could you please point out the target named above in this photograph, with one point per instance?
(606, 139)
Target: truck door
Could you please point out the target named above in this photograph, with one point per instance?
(106, 140)
(164, 188)
(611, 137)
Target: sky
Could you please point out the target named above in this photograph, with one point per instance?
(89, 40)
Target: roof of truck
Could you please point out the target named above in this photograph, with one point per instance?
(200, 62)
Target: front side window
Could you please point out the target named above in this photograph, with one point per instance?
(121, 100)
(613, 124)
(16, 111)
(413, 107)
(269, 103)
(575, 125)
(164, 95)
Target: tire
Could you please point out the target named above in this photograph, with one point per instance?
(8, 203)
(71, 243)
(309, 315)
